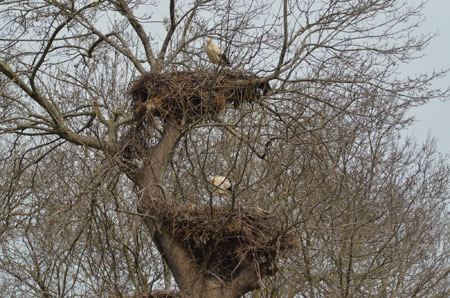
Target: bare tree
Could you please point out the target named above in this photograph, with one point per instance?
(88, 161)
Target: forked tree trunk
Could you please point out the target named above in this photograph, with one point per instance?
(188, 274)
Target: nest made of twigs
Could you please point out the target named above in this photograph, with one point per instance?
(225, 242)
(194, 94)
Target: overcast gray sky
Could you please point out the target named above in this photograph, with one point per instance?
(434, 117)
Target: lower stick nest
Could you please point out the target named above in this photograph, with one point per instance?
(225, 242)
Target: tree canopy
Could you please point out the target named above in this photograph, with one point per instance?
(92, 166)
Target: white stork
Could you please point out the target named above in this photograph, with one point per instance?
(223, 184)
(216, 54)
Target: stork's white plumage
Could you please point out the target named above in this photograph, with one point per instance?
(223, 184)
(216, 54)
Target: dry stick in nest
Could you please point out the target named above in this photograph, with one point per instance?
(216, 243)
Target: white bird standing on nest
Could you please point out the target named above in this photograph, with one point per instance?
(222, 186)
(216, 54)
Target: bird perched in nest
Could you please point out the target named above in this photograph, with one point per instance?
(223, 184)
(216, 54)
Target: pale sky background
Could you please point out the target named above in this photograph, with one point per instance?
(434, 117)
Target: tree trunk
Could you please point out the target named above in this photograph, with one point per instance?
(187, 272)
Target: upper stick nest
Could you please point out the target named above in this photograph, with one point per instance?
(193, 94)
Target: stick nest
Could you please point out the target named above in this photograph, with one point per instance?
(193, 94)
(225, 243)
